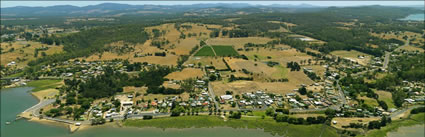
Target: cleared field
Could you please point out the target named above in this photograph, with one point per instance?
(239, 87)
(167, 60)
(172, 34)
(185, 46)
(416, 36)
(237, 42)
(386, 97)
(319, 70)
(139, 49)
(353, 55)
(307, 39)
(221, 50)
(184, 96)
(307, 115)
(369, 101)
(261, 71)
(185, 74)
(282, 56)
(205, 51)
(410, 48)
(44, 84)
(211, 61)
(45, 94)
(346, 121)
(21, 54)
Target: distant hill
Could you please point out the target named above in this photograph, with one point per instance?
(110, 9)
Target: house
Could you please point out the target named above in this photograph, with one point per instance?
(200, 82)
(409, 100)
(127, 103)
(226, 97)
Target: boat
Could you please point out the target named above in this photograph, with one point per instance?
(7, 123)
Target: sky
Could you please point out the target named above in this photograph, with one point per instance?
(317, 3)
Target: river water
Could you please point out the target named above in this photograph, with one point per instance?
(410, 131)
(16, 100)
(415, 17)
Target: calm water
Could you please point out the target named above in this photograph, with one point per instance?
(16, 100)
(411, 131)
(415, 17)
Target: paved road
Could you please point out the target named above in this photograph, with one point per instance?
(36, 108)
(341, 94)
(386, 60)
(388, 54)
(210, 89)
(399, 112)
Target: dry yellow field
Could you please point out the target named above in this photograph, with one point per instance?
(410, 48)
(185, 74)
(281, 29)
(411, 35)
(185, 46)
(286, 23)
(307, 115)
(386, 97)
(239, 87)
(353, 55)
(346, 121)
(140, 49)
(237, 42)
(46, 94)
(172, 34)
(276, 55)
(212, 61)
(22, 54)
(260, 70)
(369, 101)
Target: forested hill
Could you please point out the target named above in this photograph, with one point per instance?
(320, 24)
(93, 40)
(111, 9)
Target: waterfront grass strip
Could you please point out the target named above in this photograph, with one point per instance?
(268, 124)
(43, 84)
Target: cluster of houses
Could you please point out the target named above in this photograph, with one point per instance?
(79, 69)
(259, 98)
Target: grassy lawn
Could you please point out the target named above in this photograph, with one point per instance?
(15, 75)
(368, 101)
(386, 97)
(269, 125)
(205, 51)
(43, 84)
(282, 72)
(225, 50)
(413, 120)
(348, 54)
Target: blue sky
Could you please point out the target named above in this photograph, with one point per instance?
(318, 3)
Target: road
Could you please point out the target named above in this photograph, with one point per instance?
(35, 110)
(388, 54)
(399, 112)
(386, 60)
(341, 94)
(210, 89)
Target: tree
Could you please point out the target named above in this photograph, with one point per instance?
(302, 90)
(213, 77)
(330, 112)
(176, 111)
(236, 115)
(188, 85)
(68, 110)
(383, 104)
(398, 97)
(270, 111)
